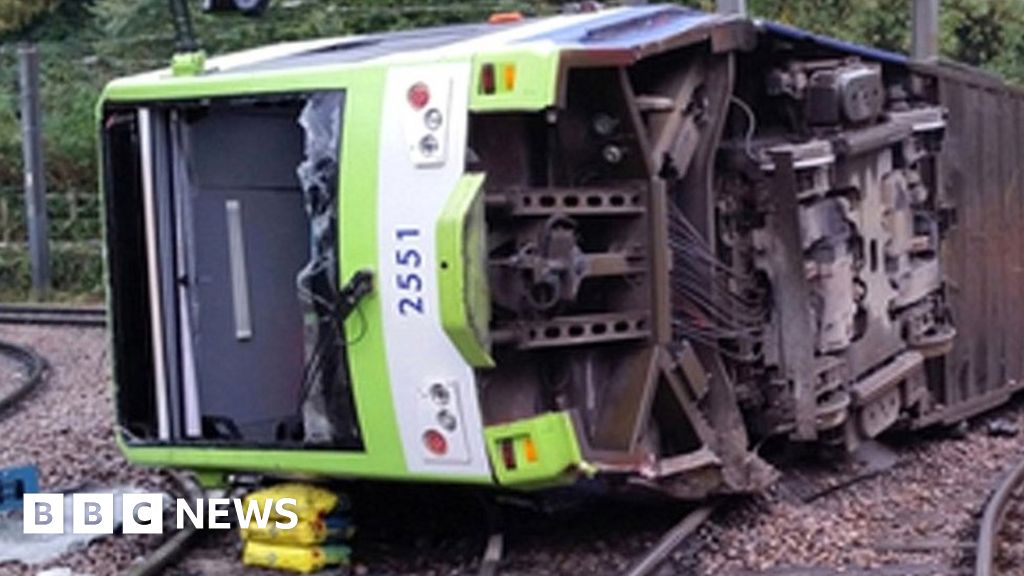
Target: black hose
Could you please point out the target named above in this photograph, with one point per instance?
(167, 554)
(36, 371)
(174, 547)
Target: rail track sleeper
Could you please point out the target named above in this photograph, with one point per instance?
(492, 555)
(921, 545)
(888, 570)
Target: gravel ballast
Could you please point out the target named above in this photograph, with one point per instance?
(65, 428)
(920, 513)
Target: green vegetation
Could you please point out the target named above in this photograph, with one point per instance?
(85, 43)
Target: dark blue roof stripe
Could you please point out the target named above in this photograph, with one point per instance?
(627, 28)
(833, 43)
(639, 25)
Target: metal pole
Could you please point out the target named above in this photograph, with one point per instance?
(184, 32)
(925, 38)
(35, 182)
(738, 7)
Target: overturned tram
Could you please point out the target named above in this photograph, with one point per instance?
(620, 246)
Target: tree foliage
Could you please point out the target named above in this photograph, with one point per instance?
(85, 43)
(986, 33)
(121, 20)
(17, 15)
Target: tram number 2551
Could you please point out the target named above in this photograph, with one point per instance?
(409, 260)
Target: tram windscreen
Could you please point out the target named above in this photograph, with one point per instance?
(239, 241)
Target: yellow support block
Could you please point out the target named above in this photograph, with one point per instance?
(301, 559)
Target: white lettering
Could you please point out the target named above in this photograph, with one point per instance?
(196, 515)
(281, 507)
(92, 513)
(43, 514)
(262, 516)
(217, 508)
(142, 513)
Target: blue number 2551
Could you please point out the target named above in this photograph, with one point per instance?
(407, 279)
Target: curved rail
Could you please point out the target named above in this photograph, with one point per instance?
(995, 511)
(35, 373)
(53, 314)
(36, 370)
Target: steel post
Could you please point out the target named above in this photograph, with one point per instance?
(35, 183)
(738, 7)
(925, 37)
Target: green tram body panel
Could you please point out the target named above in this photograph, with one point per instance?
(612, 245)
(363, 83)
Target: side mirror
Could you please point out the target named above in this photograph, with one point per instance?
(247, 7)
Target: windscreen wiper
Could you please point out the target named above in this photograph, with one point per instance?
(353, 292)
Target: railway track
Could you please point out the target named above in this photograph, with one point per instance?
(992, 520)
(656, 556)
(34, 372)
(53, 315)
(952, 508)
(982, 550)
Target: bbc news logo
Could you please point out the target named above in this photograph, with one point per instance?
(144, 513)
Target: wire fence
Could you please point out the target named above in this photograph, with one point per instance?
(74, 215)
(75, 244)
(72, 77)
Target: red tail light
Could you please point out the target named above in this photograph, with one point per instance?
(508, 454)
(435, 442)
(419, 95)
(487, 80)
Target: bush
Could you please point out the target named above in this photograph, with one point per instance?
(76, 271)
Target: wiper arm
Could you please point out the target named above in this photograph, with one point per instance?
(353, 292)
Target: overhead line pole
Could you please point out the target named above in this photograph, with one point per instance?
(35, 182)
(738, 7)
(925, 37)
